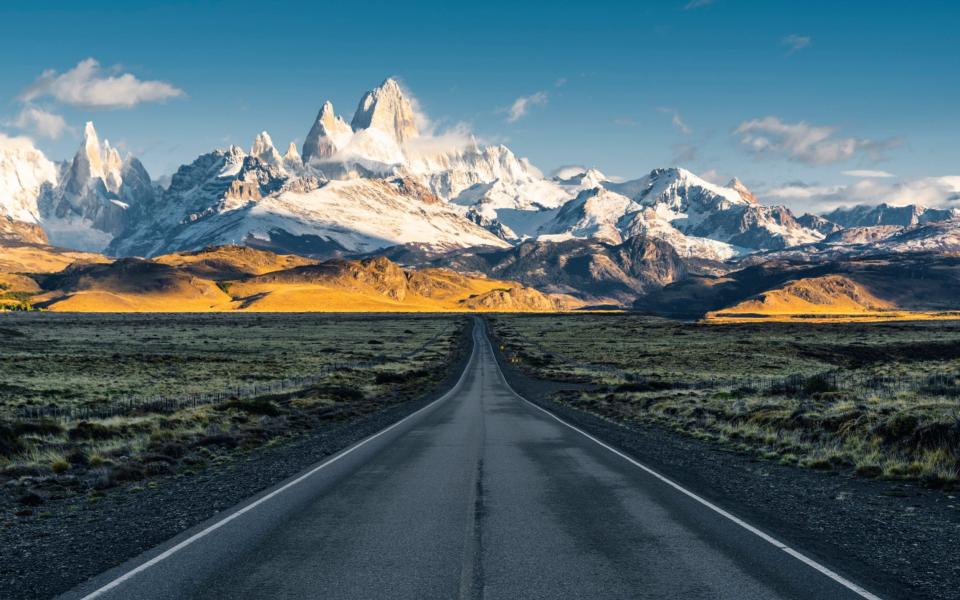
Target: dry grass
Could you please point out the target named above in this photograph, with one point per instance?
(673, 374)
(82, 359)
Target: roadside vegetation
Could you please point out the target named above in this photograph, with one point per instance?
(52, 364)
(881, 400)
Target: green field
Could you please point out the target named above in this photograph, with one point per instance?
(53, 364)
(880, 399)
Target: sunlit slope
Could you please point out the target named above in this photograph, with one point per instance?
(378, 284)
(130, 285)
(226, 263)
(831, 294)
(40, 258)
(233, 278)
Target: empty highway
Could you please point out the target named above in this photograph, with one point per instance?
(479, 495)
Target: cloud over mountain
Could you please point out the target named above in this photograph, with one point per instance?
(87, 85)
(803, 142)
(521, 106)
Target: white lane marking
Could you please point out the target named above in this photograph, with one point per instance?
(853, 587)
(170, 552)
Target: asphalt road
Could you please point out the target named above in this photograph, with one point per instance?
(479, 495)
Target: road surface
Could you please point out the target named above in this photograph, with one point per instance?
(479, 495)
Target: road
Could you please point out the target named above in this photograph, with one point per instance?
(479, 495)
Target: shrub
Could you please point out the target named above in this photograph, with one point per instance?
(390, 377)
(85, 430)
(9, 441)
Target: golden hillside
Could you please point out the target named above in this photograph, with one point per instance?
(40, 258)
(224, 263)
(826, 298)
(378, 284)
(233, 278)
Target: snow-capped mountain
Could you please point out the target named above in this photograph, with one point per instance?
(97, 196)
(383, 179)
(25, 175)
(884, 214)
(230, 197)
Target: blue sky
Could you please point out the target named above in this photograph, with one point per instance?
(775, 92)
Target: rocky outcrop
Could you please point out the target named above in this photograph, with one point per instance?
(386, 109)
(328, 134)
(591, 270)
(19, 231)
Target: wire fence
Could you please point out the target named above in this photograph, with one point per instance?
(162, 403)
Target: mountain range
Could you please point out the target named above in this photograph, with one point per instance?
(380, 185)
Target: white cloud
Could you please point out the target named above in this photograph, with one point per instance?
(87, 85)
(560, 82)
(521, 106)
(40, 122)
(939, 192)
(867, 173)
(677, 120)
(697, 4)
(795, 43)
(802, 142)
(433, 142)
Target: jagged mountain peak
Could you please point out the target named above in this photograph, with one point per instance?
(329, 134)
(745, 193)
(292, 155)
(89, 155)
(387, 108)
(264, 149)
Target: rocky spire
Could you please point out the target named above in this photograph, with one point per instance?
(88, 162)
(264, 149)
(293, 155)
(328, 134)
(385, 108)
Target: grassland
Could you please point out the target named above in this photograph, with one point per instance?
(880, 399)
(66, 360)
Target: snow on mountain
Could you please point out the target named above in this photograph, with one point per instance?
(327, 136)
(937, 236)
(92, 204)
(384, 179)
(24, 173)
(885, 214)
(292, 159)
(264, 149)
(698, 208)
(387, 110)
(594, 213)
(737, 186)
(229, 197)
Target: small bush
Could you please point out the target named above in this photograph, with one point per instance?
(9, 441)
(44, 427)
(391, 377)
(85, 430)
